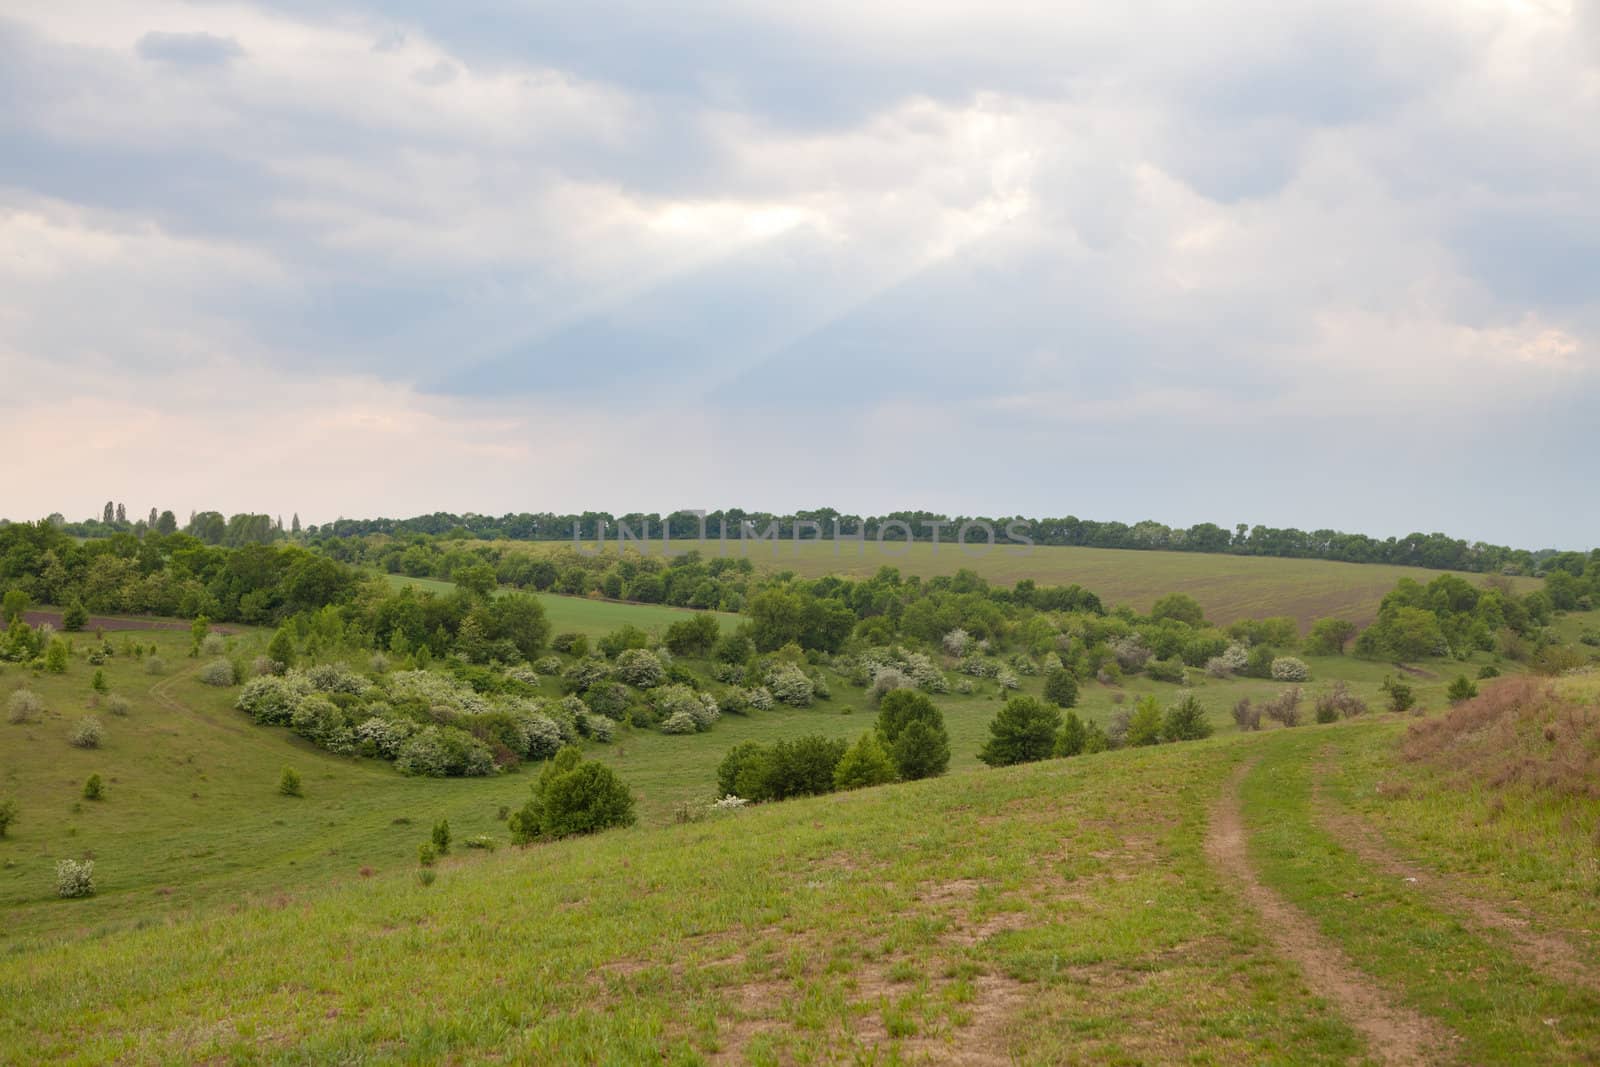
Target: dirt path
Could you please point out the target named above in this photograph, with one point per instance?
(1549, 954)
(110, 625)
(1395, 1034)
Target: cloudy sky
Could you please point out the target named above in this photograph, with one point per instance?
(1313, 265)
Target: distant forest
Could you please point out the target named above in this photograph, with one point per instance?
(1434, 550)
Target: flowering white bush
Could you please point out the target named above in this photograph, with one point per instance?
(978, 667)
(24, 706)
(729, 803)
(382, 737)
(213, 645)
(599, 728)
(541, 737)
(444, 751)
(641, 668)
(218, 672)
(674, 700)
(436, 691)
(271, 699)
(956, 642)
(1024, 666)
(1290, 669)
(1236, 657)
(378, 663)
(819, 687)
(1007, 678)
(550, 666)
(1052, 662)
(322, 722)
(789, 685)
(1131, 652)
(75, 878)
(1218, 667)
(759, 698)
(87, 733)
(679, 723)
(924, 674)
(886, 680)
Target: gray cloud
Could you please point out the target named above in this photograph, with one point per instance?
(188, 49)
(1115, 232)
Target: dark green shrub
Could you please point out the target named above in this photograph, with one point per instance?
(1073, 737)
(1487, 671)
(621, 639)
(1144, 725)
(803, 766)
(289, 783)
(1165, 670)
(1461, 690)
(864, 763)
(1401, 696)
(427, 854)
(573, 644)
(1259, 663)
(94, 789)
(693, 636)
(920, 752)
(1186, 721)
(572, 796)
(1061, 688)
(74, 617)
(8, 814)
(744, 770)
(441, 837)
(1024, 730)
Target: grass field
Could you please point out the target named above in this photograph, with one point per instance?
(583, 615)
(1071, 911)
(1228, 587)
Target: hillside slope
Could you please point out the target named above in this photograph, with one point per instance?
(1069, 911)
(1228, 587)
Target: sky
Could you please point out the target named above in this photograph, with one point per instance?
(1315, 265)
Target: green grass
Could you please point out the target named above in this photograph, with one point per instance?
(583, 615)
(1061, 910)
(1228, 587)
(1503, 1011)
(1056, 913)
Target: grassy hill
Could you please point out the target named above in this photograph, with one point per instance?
(1070, 911)
(584, 615)
(1228, 587)
(1362, 890)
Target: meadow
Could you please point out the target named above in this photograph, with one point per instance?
(584, 615)
(1081, 910)
(1228, 587)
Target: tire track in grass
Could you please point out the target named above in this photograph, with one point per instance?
(1394, 1033)
(1548, 953)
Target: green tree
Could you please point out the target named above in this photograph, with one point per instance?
(1186, 721)
(94, 789)
(197, 633)
(914, 733)
(693, 636)
(441, 837)
(167, 524)
(1144, 726)
(1401, 696)
(572, 796)
(281, 648)
(13, 605)
(74, 617)
(1024, 730)
(289, 783)
(864, 763)
(477, 580)
(1072, 738)
(921, 751)
(55, 657)
(744, 771)
(1330, 636)
(1061, 688)
(98, 683)
(1180, 607)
